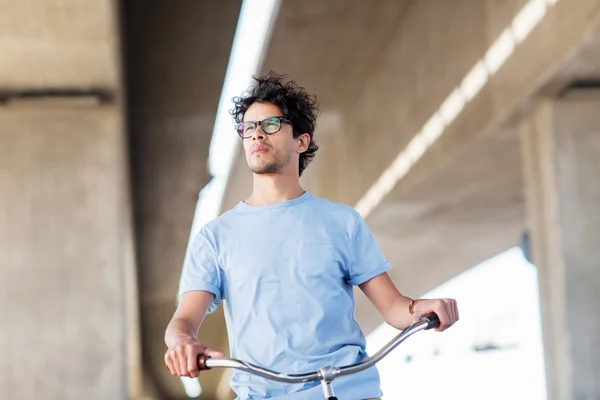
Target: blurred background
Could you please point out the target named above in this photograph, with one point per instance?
(465, 132)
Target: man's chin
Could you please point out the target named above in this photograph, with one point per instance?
(265, 172)
(264, 169)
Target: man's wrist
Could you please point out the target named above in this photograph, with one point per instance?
(178, 338)
(411, 306)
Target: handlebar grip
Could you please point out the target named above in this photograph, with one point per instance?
(432, 320)
(202, 362)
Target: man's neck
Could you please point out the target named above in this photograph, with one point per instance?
(274, 188)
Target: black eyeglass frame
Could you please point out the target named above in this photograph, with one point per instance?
(240, 132)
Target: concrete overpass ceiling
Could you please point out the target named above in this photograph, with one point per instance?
(330, 47)
(463, 201)
(176, 58)
(379, 83)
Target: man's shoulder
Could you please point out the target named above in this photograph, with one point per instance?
(334, 206)
(332, 209)
(216, 223)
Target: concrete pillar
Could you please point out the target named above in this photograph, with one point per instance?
(176, 62)
(561, 154)
(65, 255)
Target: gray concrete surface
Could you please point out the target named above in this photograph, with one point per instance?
(67, 255)
(561, 154)
(62, 254)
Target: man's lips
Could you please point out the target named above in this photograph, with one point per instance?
(259, 149)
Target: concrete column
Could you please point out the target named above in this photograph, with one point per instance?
(65, 255)
(561, 154)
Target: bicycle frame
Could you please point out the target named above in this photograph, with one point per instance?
(327, 373)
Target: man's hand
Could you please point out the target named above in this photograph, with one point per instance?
(182, 358)
(180, 336)
(445, 309)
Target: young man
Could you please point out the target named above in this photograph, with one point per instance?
(285, 263)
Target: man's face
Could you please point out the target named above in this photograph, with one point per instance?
(273, 153)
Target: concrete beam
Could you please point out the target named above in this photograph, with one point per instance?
(58, 44)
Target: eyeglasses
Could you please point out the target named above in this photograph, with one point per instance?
(269, 126)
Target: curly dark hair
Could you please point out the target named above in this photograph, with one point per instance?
(295, 103)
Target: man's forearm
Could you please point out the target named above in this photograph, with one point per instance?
(398, 315)
(177, 329)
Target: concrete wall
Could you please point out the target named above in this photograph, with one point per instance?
(176, 60)
(63, 235)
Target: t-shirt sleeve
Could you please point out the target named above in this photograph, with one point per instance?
(201, 270)
(368, 260)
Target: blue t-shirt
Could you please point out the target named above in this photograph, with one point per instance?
(286, 273)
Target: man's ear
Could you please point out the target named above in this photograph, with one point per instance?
(302, 142)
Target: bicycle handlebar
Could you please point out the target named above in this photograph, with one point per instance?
(327, 373)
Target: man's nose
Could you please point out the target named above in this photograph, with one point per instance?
(258, 133)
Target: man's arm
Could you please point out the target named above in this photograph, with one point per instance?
(394, 307)
(188, 316)
(180, 335)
